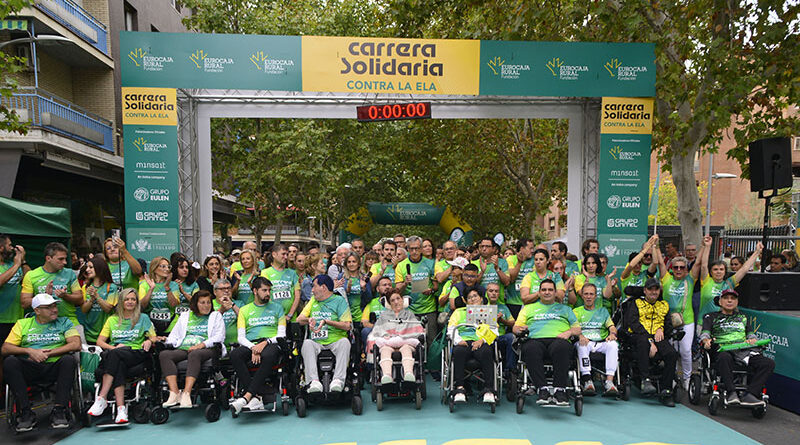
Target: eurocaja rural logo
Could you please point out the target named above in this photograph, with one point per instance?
(505, 70)
(146, 62)
(391, 59)
(203, 61)
(267, 65)
(142, 144)
(563, 71)
(617, 70)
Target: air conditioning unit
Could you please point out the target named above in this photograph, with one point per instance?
(24, 52)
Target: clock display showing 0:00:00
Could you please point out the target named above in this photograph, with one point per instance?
(416, 110)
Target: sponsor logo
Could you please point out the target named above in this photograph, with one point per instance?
(146, 62)
(142, 144)
(616, 70)
(141, 245)
(203, 61)
(625, 202)
(263, 63)
(559, 69)
(500, 68)
(613, 201)
(398, 212)
(141, 194)
(152, 216)
(611, 251)
(631, 223)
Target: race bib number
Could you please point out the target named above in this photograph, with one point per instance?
(281, 295)
(322, 334)
(160, 314)
(181, 309)
(517, 286)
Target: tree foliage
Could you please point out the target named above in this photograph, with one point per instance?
(9, 120)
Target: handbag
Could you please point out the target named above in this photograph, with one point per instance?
(90, 360)
(676, 318)
(433, 361)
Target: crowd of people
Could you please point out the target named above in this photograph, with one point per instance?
(252, 302)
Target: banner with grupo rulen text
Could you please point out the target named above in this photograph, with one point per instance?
(626, 126)
(150, 133)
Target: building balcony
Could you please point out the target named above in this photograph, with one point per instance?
(77, 20)
(49, 112)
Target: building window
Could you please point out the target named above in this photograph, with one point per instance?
(131, 20)
(697, 161)
(796, 142)
(552, 223)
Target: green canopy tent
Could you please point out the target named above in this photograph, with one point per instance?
(33, 226)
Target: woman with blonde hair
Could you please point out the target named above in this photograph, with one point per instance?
(241, 289)
(159, 294)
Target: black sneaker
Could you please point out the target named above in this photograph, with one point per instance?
(647, 388)
(544, 397)
(560, 397)
(666, 398)
(26, 421)
(732, 399)
(58, 417)
(749, 399)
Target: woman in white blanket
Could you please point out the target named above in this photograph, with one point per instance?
(396, 329)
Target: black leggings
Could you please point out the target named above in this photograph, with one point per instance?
(665, 352)
(558, 350)
(118, 361)
(484, 357)
(20, 372)
(241, 361)
(759, 368)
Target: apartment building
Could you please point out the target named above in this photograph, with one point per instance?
(70, 95)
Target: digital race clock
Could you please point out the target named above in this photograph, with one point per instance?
(392, 112)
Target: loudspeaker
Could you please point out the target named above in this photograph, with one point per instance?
(770, 291)
(770, 164)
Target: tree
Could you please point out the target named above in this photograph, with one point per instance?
(668, 201)
(9, 120)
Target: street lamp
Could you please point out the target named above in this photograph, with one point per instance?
(45, 38)
(711, 177)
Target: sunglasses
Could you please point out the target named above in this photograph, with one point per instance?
(678, 267)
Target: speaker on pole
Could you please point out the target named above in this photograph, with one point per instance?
(770, 164)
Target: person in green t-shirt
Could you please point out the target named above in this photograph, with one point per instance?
(594, 273)
(355, 285)
(228, 307)
(558, 252)
(244, 276)
(37, 348)
(185, 278)
(261, 329)
(414, 277)
(529, 288)
(386, 267)
(443, 269)
(193, 339)
(55, 279)
(598, 334)
(641, 265)
(505, 322)
(328, 317)
(712, 284)
(12, 268)
(123, 273)
(159, 294)
(549, 326)
(100, 296)
(125, 338)
(285, 285)
(252, 247)
(492, 268)
(519, 266)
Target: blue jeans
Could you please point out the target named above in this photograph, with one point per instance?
(364, 334)
(504, 343)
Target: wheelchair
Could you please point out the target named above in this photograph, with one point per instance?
(598, 374)
(708, 382)
(209, 389)
(141, 386)
(77, 405)
(399, 389)
(472, 374)
(280, 383)
(521, 383)
(326, 362)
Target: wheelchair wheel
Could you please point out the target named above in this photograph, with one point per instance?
(677, 394)
(713, 405)
(374, 392)
(300, 406)
(759, 412)
(511, 389)
(625, 391)
(213, 411)
(578, 406)
(357, 405)
(418, 400)
(695, 389)
(285, 407)
(159, 415)
(452, 404)
(493, 407)
(139, 412)
(520, 404)
(379, 401)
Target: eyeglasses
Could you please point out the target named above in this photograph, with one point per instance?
(226, 288)
(413, 248)
(648, 256)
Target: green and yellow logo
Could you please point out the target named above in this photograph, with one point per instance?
(555, 65)
(612, 66)
(258, 58)
(615, 152)
(197, 58)
(137, 55)
(496, 65)
(139, 143)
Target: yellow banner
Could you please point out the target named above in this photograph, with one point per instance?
(385, 65)
(149, 106)
(626, 115)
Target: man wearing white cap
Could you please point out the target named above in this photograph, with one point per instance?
(38, 348)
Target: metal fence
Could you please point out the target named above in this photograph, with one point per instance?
(78, 20)
(742, 242)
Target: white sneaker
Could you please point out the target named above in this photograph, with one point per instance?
(255, 404)
(488, 397)
(315, 386)
(98, 407)
(122, 415)
(686, 385)
(386, 379)
(186, 400)
(337, 385)
(173, 399)
(410, 377)
(460, 397)
(238, 404)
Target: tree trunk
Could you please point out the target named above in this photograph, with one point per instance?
(689, 214)
(278, 228)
